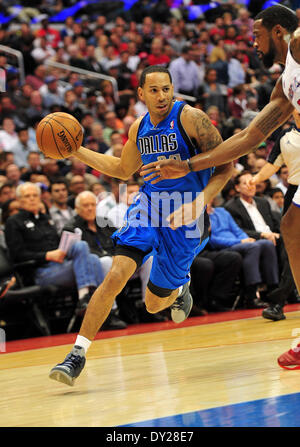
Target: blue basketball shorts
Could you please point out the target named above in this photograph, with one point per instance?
(173, 251)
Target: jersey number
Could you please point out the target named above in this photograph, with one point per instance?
(171, 157)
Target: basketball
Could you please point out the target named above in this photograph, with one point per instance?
(59, 135)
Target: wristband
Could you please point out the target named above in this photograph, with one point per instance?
(189, 165)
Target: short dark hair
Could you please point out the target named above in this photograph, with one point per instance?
(241, 174)
(153, 69)
(278, 15)
(59, 181)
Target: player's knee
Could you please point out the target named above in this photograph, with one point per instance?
(152, 306)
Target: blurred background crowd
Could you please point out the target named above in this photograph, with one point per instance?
(85, 58)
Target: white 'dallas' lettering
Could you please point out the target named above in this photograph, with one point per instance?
(154, 144)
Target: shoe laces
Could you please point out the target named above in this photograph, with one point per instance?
(73, 360)
(177, 305)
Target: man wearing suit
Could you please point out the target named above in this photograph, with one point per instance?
(254, 216)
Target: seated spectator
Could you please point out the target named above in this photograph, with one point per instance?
(213, 275)
(37, 79)
(184, 72)
(80, 168)
(33, 165)
(30, 235)
(76, 185)
(9, 208)
(283, 174)
(52, 93)
(7, 192)
(8, 134)
(60, 212)
(213, 93)
(254, 216)
(13, 174)
(260, 264)
(112, 124)
(97, 238)
(23, 147)
(97, 134)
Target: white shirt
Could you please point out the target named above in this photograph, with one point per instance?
(257, 219)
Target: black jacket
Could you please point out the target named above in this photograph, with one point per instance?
(100, 243)
(244, 221)
(29, 238)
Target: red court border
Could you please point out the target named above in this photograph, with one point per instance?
(65, 339)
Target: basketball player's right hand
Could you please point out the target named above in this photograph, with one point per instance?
(56, 256)
(164, 169)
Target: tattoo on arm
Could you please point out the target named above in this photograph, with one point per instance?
(269, 122)
(207, 135)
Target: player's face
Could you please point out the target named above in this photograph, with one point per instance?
(157, 94)
(264, 44)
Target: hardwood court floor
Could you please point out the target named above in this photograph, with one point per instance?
(205, 363)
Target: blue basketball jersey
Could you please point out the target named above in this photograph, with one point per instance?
(169, 140)
(145, 225)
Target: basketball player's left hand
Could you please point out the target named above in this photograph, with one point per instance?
(164, 169)
(186, 214)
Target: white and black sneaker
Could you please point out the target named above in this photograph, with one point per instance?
(67, 371)
(182, 306)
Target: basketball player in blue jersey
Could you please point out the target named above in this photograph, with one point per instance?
(174, 130)
(277, 39)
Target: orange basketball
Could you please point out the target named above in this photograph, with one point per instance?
(59, 135)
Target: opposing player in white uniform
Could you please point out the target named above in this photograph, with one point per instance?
(277, 39)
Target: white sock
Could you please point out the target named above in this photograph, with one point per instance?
(83, 342)
(82, 292)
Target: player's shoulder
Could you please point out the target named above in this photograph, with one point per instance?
(190, 115)
(133, 131)
(295, 45)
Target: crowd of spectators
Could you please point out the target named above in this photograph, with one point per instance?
(214, 67)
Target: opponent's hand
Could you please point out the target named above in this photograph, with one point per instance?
(251, 182)
(164, 169)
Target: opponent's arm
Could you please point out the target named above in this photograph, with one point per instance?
(121, 168)
(269, 119)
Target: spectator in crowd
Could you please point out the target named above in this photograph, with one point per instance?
(37, 79)
(22, 148)
(30, 236)
(283, 174)
(238, 102)
(36, 110)
(98, 240)
(80, 168)
(213, 93)
(33, 165)
(13, 174)
(213, 276)
(76, 185)
(7, 192)
(60, 212)
(254, 216)
(112, 124)
(8, 134)
(52, 93)
(259, 256)
(184, 72)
